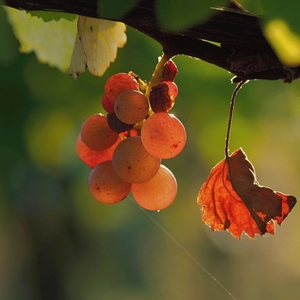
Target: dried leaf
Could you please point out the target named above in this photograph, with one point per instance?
(232, 199)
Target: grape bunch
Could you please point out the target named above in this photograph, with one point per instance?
(125, 147)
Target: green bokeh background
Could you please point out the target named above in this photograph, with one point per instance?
(57, 242)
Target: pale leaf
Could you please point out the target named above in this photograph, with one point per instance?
(52, 41)
(96, 45)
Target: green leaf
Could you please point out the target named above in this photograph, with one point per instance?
(48, 16)
(179, 15)
(114, 9)
(285, 43)
(288, 10)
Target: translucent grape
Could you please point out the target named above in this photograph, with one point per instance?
(96, 133)
(131, 107)
(133, 163)
(158, 192)
(105, 185)
(119, 83)
(169, 71)
(173, 89)
(91, 157)
(107, 105)
(163, 135)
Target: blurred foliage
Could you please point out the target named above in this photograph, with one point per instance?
(112, 9)
(281, 26)
(57, 242)
(179, 15)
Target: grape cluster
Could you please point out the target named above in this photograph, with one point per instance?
(125, 147)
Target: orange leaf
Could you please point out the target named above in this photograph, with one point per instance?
(232, 199)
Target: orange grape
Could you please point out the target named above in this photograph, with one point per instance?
(163, 135)
(107, 105)
(105, 185)
(173, 89)
(96, 133)
(131, 107)
(158, 192)
(119, 83)
(91, 157)
(132, 162)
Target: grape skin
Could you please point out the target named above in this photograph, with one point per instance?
(105, 185)
(119, 83)
(131, 107)
(161, 98)
(132, 162)
(169, 71)
(173, 89)
(96, 133)
(91, 157)
(158, 192)
(107, 105)
(117, 125)
(163, 135)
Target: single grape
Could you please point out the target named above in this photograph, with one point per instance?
(116, 125)
(161, 98)
(131, 107)
(96, 133)
(169, 71)
(107, 105)
(132, 162)
(158, 192)
(119, 83)
(105, 185)
(163, 135)
(173, 89)
(91, 157)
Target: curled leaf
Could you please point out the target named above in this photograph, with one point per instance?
(232, 199)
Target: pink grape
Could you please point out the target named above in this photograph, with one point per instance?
(119, 83)
(91, 157)
(107, 105)
(105, 185)
(158, 192)
(96, 133)
(133, 163)
(163, 135)
(173, 89)
(131, 107)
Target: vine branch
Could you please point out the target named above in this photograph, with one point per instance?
(242, 48)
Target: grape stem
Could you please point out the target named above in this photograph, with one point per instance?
(232, 102)
(157, 74)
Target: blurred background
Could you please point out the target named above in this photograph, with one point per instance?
(57, 242)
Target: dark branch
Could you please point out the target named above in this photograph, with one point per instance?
(242, 48)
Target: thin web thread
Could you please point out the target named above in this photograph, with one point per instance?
(184, 250)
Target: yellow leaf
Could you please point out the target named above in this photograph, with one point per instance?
(52, 41)
(285, 43)
(96, 45)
